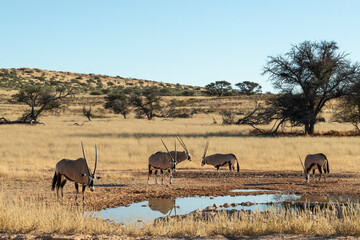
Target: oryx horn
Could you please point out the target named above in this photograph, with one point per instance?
(82, 146)
(175, 152)
(301, 163)
(167, 150)
(95, 159)
(206, 147)
(182, 144)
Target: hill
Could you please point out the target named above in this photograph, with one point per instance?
(95, 84)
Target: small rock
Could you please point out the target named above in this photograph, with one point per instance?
(212, 198)
(210, 208)
(226, 205)
(234, 204)
(143, 205)
(216, 206)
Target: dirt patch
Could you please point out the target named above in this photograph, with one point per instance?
(123, 191)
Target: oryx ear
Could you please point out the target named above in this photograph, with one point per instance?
(83, 174)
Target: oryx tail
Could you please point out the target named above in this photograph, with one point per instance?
(54, 182)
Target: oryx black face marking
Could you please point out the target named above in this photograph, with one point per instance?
(76, 171)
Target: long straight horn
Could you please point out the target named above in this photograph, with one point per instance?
(175, 153)
(183, 144)
(167, 150)
(82, 146)
(301, 163)
(95, 159)
(206, 147)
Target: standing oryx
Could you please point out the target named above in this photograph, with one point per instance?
(74, 170)
(313, 161)
(218, 160)
(162, 161)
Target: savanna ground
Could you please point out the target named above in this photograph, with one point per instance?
(29, 154)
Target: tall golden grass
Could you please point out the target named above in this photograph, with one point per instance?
(126, 144)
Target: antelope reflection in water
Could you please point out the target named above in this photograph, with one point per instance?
(163, 205)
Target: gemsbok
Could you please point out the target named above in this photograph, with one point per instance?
(218, 160)
(162, 161)
(313, 161)
(77, 171)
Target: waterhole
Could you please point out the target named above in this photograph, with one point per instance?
(160, 207)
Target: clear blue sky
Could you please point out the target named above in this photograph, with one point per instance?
(191, 42)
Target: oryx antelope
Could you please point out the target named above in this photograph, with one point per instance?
(162, 161)
(74, 170)
(313, 161)
(218, 160)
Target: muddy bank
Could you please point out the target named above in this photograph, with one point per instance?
(116, 192)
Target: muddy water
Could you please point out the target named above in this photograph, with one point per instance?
(160, 207)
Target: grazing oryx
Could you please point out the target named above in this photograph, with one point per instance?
(313, 161)
(74, 170)
(162, 161)
(218, 160)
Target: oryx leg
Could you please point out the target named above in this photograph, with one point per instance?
(62, 187)
(58, 184)
(325, 172)
(150, 171)
(314, 174)
(83, 194)
(162, 176)
(170, 175)
(218, 174)
(156, 174)
(77, 191)
(307, 175)
(231, 167)
(320, 171)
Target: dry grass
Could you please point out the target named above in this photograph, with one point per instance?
(126, 144)
(18, 217)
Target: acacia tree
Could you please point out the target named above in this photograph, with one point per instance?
(248, 88)
(87, 112)
(218, 88)
(314, 73)
(146, 102)
(40, 99)
(349, 107)
(118, 102)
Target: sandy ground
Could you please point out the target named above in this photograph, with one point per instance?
(133, 187)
